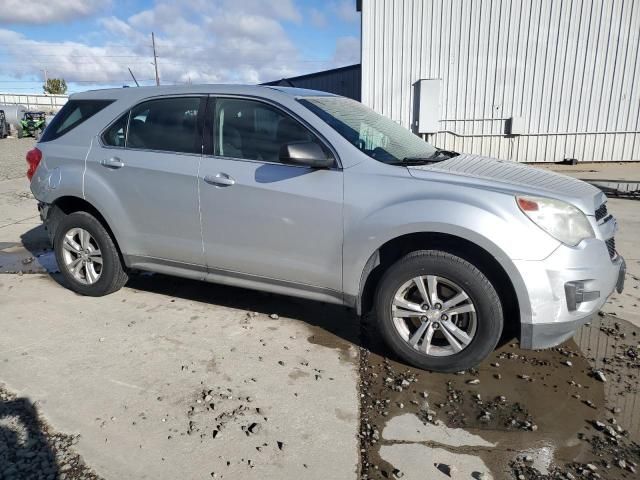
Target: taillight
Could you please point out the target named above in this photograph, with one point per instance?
(33, 160)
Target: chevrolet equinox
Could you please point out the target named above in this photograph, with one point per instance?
(314, 195)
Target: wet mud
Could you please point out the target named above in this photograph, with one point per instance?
(568, 412)
(32, 255)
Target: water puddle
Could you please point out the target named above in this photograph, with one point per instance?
(540, 414)
(15, 258)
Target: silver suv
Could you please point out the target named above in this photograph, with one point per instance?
(313, 195)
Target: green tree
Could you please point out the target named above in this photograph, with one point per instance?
(55, 86)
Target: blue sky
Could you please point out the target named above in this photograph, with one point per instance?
(91, 43)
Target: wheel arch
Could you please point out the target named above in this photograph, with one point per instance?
(502, 273)
(68, 204)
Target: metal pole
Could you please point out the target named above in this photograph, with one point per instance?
(134, 78)
(155, 58)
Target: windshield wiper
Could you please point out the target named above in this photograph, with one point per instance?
(438, 156)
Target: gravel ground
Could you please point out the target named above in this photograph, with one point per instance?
(12, 152)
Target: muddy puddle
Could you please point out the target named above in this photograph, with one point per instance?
(16, 258)
(569, 412)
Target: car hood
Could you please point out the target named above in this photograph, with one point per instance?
(511, 177)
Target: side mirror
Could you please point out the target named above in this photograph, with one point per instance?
(308, 154)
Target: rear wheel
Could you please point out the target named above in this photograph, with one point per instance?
(87, 256)
(438, 312)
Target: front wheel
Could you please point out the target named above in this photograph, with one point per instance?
(87, 256)
(438, 312)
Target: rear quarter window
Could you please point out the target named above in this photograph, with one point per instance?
(72, 114)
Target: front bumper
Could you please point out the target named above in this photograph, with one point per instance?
(552, 321)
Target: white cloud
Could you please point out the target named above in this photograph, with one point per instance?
(48, 11)
(198, 41)
(72, 60)
(346, 10)
(280, 9)
(347, 51)
(318, 19)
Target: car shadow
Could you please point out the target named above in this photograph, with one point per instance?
(336, 321)
(25, 449)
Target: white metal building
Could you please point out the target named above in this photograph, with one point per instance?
(566, 72)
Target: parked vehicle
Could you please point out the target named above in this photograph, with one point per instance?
(4, 126)
(32, 125)
(314, 195)
(13, 113)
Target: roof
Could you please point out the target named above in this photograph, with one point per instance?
(141, 92)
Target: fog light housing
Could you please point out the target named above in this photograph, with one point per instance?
(576, 294)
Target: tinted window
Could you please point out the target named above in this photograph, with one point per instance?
(115, 136)
(254, 130)
(168, 124)
(72, 114)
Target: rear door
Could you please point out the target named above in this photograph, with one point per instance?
(261, 217)
(149, 159)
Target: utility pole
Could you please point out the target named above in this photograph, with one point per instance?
(44, 87)
(155, 58)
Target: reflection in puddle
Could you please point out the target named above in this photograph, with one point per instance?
(548, 412)
(611, 345)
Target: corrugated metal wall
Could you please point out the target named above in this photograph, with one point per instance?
(569, 68)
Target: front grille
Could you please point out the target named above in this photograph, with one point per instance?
(601, 212)
(611, 246)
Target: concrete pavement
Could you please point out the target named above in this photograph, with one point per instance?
(150, 375)
(132, 370)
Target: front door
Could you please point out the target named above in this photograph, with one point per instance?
(261, 217)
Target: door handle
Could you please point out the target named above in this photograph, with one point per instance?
(219, 180)
(113, 162)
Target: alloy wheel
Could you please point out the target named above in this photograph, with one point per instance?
(434, 315)
(82, 256)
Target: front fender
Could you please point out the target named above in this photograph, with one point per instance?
(493, 229)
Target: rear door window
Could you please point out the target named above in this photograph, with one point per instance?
(166, 124)
(72, 114)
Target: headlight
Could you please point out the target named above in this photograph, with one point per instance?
(559, 219)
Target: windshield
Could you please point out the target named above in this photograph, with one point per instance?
(379, 137)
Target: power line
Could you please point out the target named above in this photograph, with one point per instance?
(79, 81)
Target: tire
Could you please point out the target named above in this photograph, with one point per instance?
(481, 323)
(20, 133)
(111, 275)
